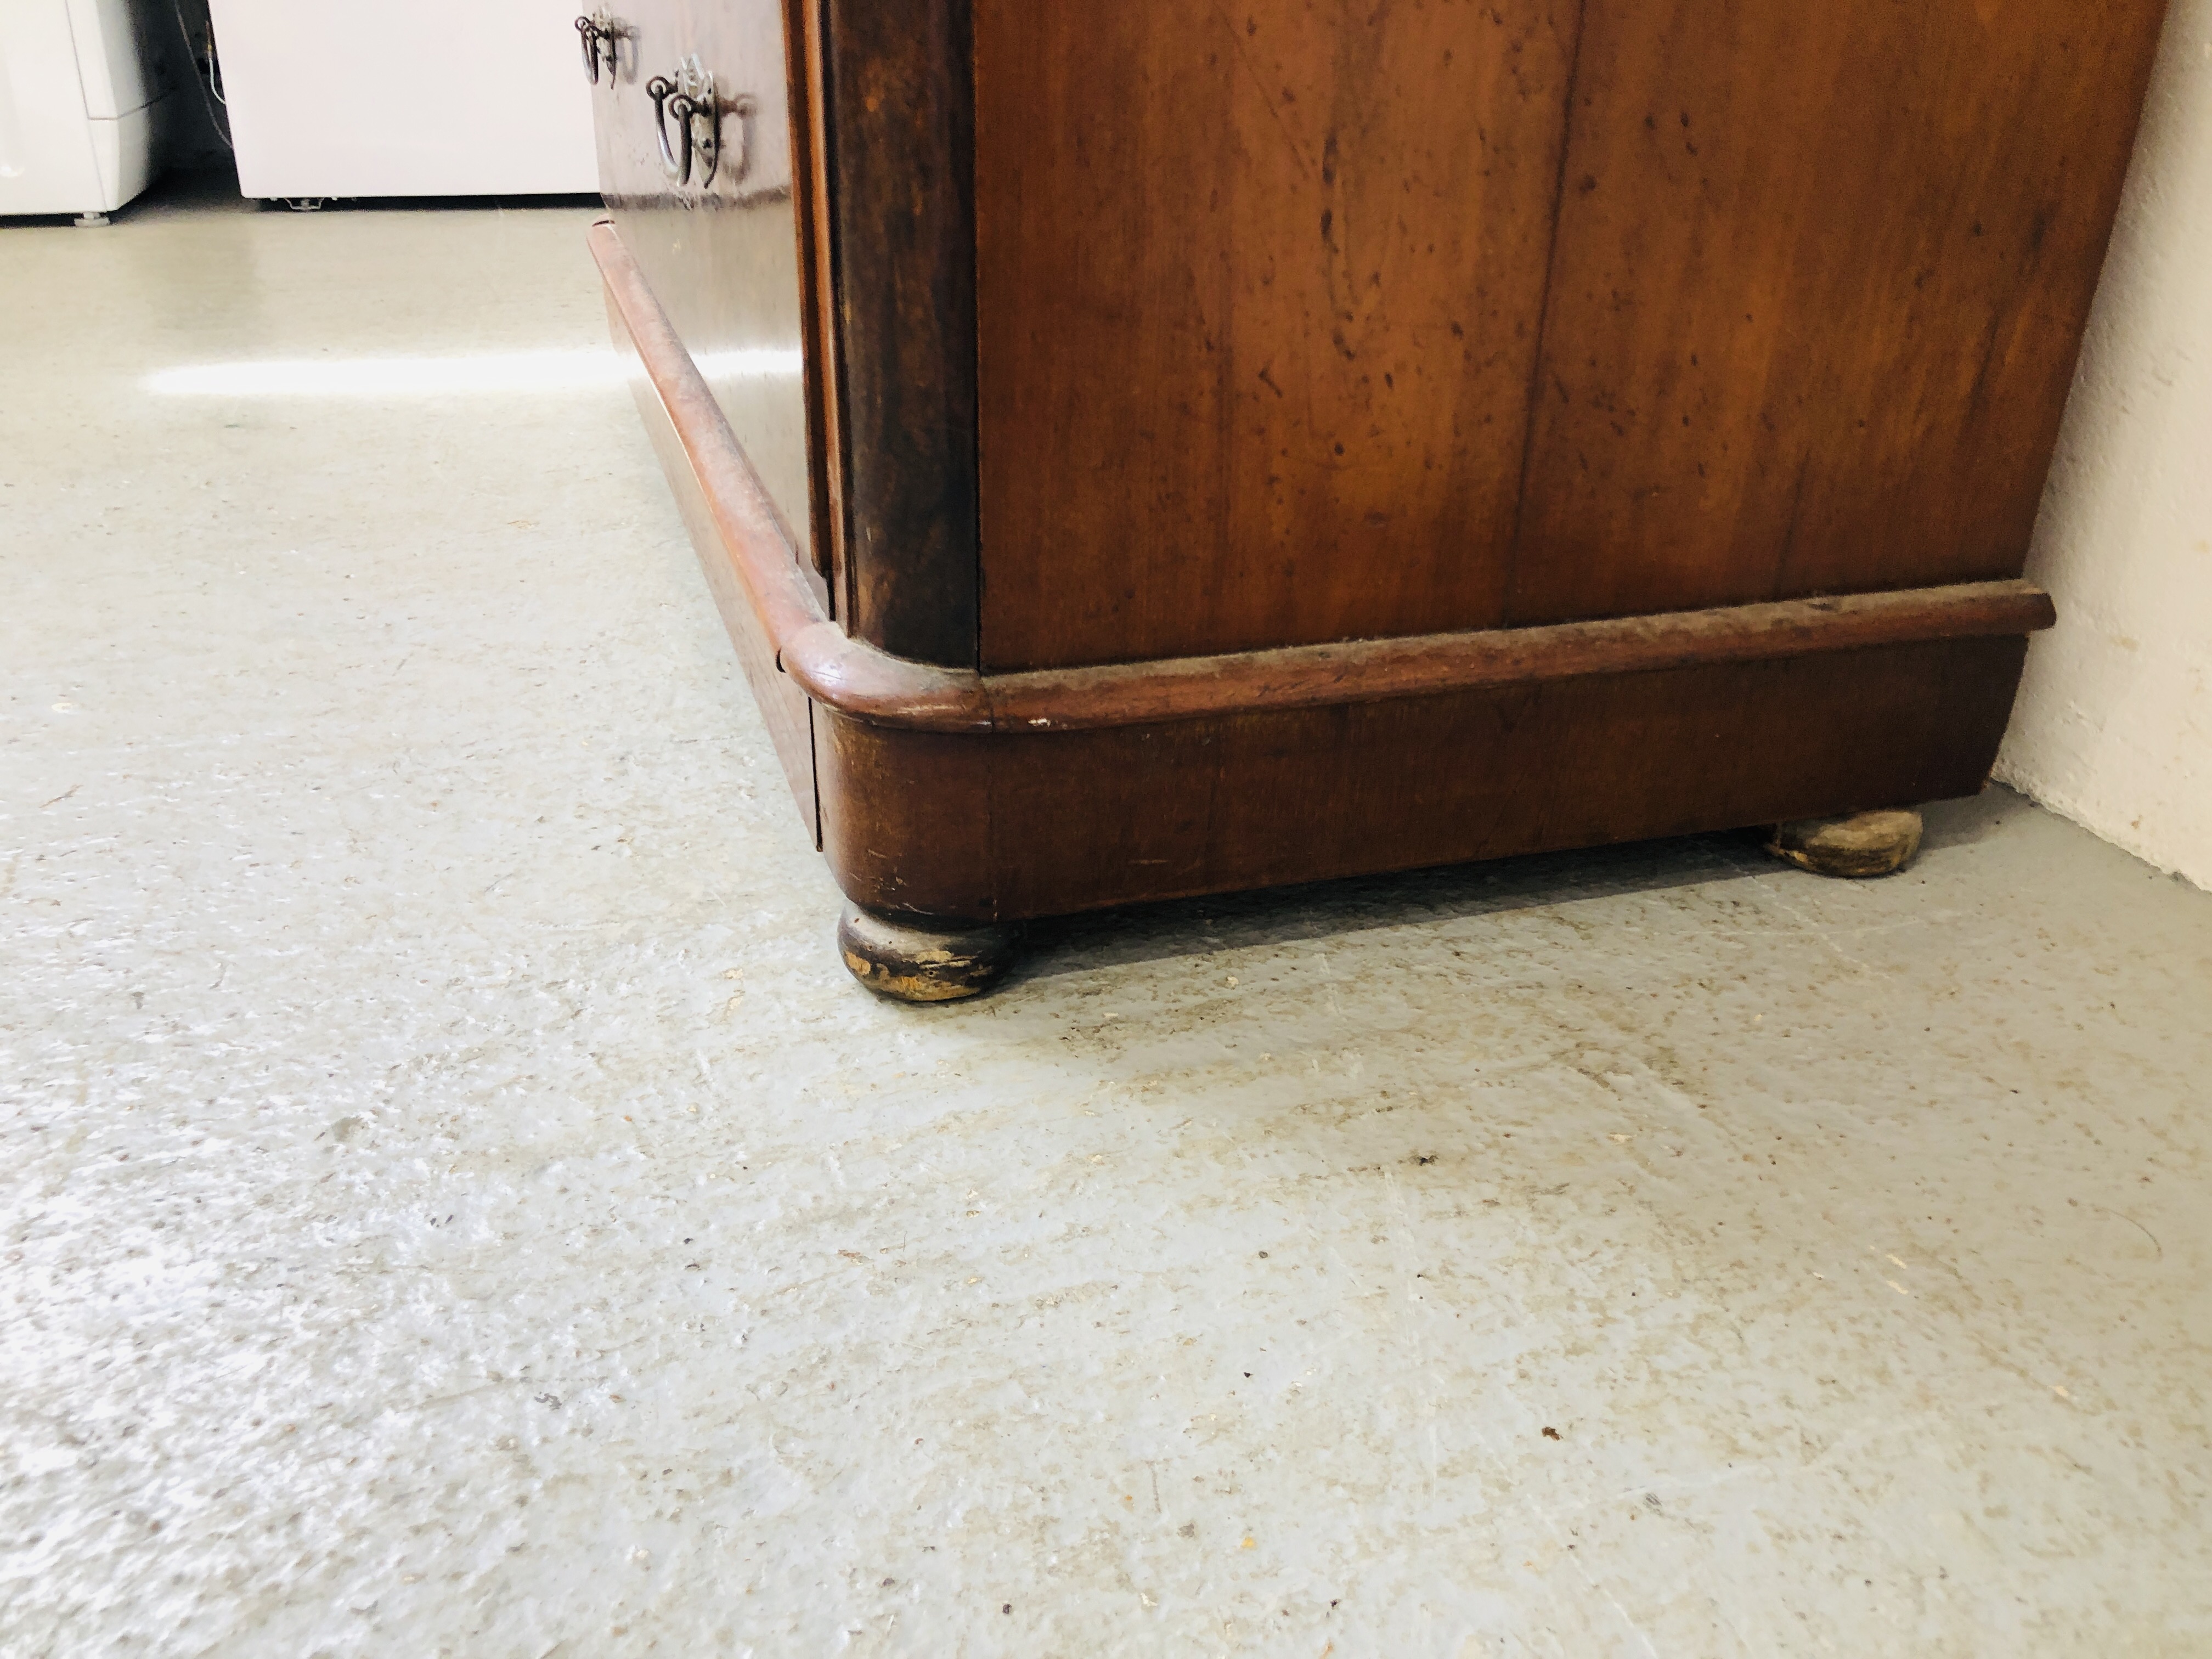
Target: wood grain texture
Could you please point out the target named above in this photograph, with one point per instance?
(895, 95)
(1259, 288)
(1319, 439)
(1003, 827)
(860, 680)
(1821, 277)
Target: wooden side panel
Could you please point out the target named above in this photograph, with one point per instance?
(802, 52)
(1820, 279)
(900, 176)
(784, 708)
(1259, 289)
(723, 258)
(1009, 826)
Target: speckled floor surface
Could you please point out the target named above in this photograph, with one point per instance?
(455, 1203)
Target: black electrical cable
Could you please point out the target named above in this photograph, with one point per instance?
(208, 75)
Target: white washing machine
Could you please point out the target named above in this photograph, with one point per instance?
(83, 86)
(406, 97)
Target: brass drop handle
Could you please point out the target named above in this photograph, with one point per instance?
(601, 38)
(691, 100)
(659, 89)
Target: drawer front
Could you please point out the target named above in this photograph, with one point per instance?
(720, 244)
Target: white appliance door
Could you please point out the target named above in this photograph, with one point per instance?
(112, 57)
(406, 97)
(47, 163)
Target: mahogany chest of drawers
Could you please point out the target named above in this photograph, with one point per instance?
(1149, 449)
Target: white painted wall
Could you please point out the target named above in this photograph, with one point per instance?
(2114, 724)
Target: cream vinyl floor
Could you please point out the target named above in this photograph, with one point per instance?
(456, 1203)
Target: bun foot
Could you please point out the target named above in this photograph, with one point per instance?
(1856, 845)
(908, 964)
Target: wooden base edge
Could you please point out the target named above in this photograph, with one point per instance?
(999, 827)
(785, 709)
(759, 566)
(987, 798)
